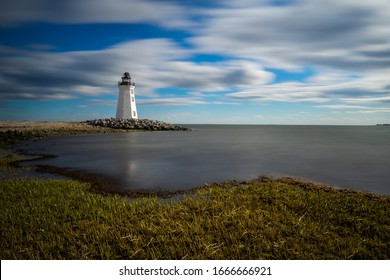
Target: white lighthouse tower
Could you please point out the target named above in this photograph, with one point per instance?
(126, 108)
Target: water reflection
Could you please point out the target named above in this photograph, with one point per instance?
(357, 157)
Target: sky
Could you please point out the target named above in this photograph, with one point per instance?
(209, 62)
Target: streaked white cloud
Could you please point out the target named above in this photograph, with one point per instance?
(163, 13)
(355, 109)
(177, 101)
(88, 90)
(331, 33)
(157, 63)
(326, 86)
(340, 106)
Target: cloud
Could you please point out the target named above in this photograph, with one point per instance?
(166, 14)
(344, 35)
(282, 92)
(211, 77)
(323, 87)
(353, 109)
(178, 101)
(88, 90)
(156, 63)
(48, 75)
(341, 106)
(93, 103)
(369, 99)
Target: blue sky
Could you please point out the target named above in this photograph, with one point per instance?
(223, 61)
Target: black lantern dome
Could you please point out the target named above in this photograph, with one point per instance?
(126, 80)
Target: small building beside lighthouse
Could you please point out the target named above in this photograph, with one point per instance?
(126, 108)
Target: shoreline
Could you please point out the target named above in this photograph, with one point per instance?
(12, 132)
(111, 186)
(27, 131)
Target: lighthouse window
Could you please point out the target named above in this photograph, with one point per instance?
(132, 99)
(134, 113)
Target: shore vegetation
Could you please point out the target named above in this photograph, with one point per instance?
(263, 219)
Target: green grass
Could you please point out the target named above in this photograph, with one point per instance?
(8, 158)
(264, 219)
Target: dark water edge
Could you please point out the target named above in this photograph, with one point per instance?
(355, 157)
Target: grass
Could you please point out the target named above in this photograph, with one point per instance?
(8, 159)
(263, 219)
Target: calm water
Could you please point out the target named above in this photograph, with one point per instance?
(355, 157)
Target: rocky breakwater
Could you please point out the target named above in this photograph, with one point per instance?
(136, 124)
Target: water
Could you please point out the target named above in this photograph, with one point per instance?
(355, 157)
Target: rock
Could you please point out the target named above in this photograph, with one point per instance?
(140, 124)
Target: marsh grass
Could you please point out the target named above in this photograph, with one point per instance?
(8, 159)
(261, 219)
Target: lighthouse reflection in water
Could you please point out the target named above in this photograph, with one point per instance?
(177, 160)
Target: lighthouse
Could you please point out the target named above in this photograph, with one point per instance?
(126, 108)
